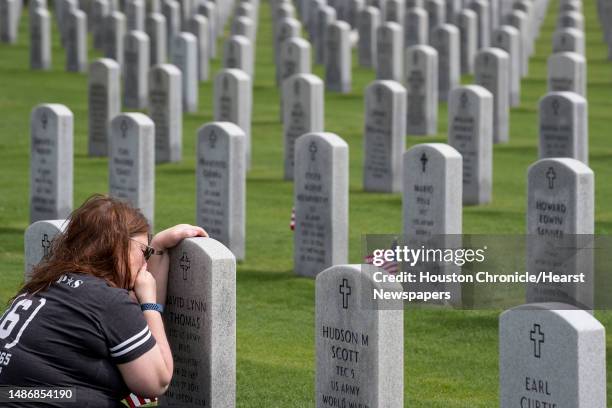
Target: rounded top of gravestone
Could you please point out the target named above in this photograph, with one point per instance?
(416, 11)
(123, 120)
(311, 79)
(117, 15)
(297, 41)
(563, 96)
(290, 22)
(186, 37)
(467, 12)
(167, 69)
(244, 20)
(59, 225)
(340, 26)
(78, 14)
(476, 90)
(210, 5)
(240, 39)
(210, 248)
(566, 55)
(390, 26)
(571, 13)
(55, 109)
(577, 319)
(422, 48)
(135, 36)
(568, 31)
(573, 166)
(446, 28)
(238, 74)
(286, 7)
(104, 63)
(244, 6)
(517, 14)
(199, 18)
(437, 150)
(507, 29)
(158, 17)
(41, 12)
(328, 138)
(392, 86)
(493, 51)
(371, 10)
(214, 129)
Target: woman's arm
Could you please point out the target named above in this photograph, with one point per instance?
(149, 375)
(158, 265)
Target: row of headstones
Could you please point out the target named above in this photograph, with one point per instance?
(479, 191)
(389, 107)
(320, 164)
(158, 16)
(167, 91)
(389, 44)
(221, 165)
(429, 76)
(550, 354)
(456, 47)
(137, 50)
(436, 179)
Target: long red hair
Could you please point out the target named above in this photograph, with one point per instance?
(96, 242)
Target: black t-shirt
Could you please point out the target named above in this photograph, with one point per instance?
(73, 335)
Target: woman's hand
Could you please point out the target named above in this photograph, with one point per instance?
(170, 237)
(145, 286)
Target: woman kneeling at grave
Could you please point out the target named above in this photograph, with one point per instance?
(90, 316)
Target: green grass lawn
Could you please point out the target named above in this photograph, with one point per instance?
(450, 356)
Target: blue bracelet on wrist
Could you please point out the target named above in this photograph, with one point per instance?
(152, 306)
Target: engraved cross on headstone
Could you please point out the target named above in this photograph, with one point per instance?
(555, 106)
(424, 161)
(46, 245)
(464, 100)
(537, 337)
(123, 127)
(296, 88)
(551, 176)
(313, 150)
(212, 139)
(185, 264)
(44, 120)
(345, 291)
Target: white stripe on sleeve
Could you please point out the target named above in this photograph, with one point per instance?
(133, 346)
(130, 340)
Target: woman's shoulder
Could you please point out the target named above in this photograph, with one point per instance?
(89, 287)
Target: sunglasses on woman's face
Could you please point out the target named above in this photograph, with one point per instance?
(148, 250)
